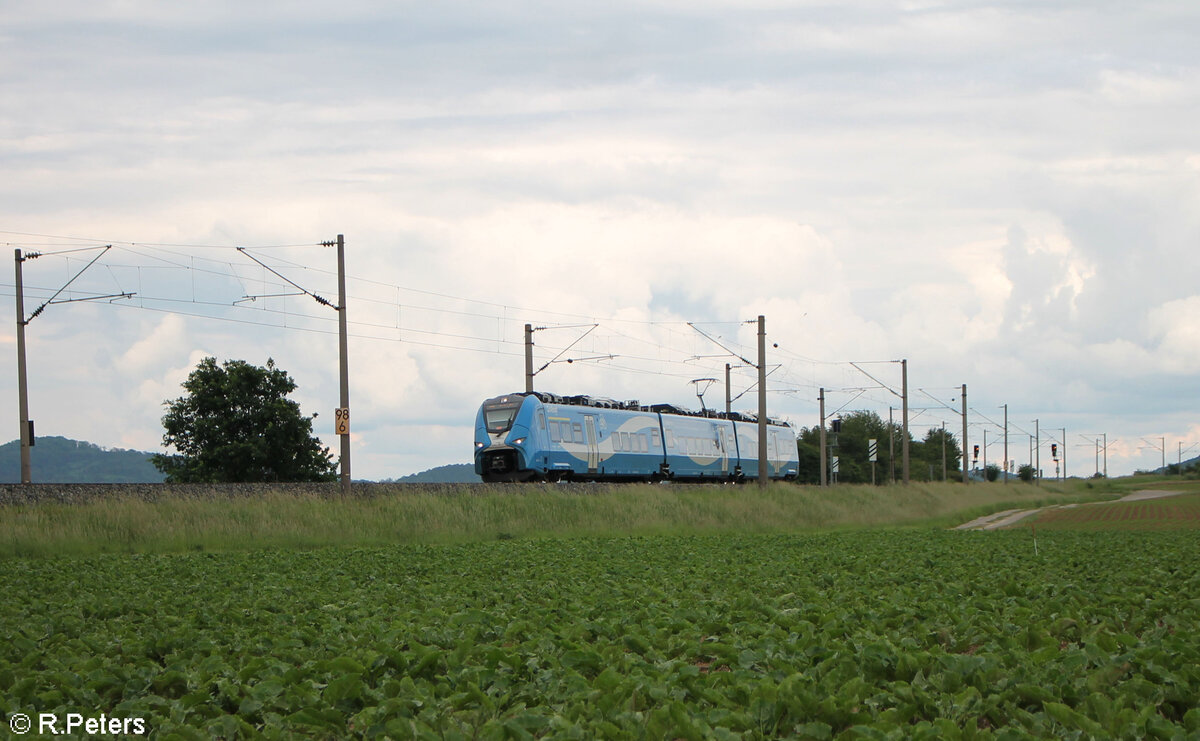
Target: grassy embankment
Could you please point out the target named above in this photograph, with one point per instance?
(488, 513)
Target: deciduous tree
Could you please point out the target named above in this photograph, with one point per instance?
(235, 424)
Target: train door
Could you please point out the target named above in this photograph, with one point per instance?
(593, 446)
(722, 447)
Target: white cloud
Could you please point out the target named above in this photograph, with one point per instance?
(1176, 327)
(1003, 194)
(164, 342)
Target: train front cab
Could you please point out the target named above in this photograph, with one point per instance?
(503, 428)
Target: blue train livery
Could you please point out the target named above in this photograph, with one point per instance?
(543, 437)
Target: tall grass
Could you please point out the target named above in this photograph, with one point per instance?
(121, 524)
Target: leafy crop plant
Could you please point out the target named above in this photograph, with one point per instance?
(864, 634)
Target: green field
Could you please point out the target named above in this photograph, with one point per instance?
(684, 615)
(1171, 513)
(867, 634)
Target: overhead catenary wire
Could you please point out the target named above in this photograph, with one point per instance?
(150, 300)
(667, 351)
(231, 272)
(434, 319)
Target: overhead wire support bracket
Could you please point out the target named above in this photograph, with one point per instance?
(712, 339)
(581, 360)
(940, 402)
(110, 296)
(876, 380)
(752, 386)
(304, 291)
(256, 297)
(51, 300)
(555, 359)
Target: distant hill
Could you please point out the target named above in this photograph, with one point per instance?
(1173, 468)
(58, 460)
(455, 473)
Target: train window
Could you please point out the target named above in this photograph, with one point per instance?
(541, 419)
(656, 439)
(625, 444)
(578, 428)
(499, 414)
(554, 436)
(565, 427)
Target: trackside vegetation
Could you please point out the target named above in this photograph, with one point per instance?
(449, 514)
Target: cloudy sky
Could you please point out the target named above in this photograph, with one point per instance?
(1006, 194)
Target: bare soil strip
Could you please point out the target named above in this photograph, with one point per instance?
(1010, 517)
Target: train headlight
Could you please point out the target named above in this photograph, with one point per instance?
(479, 445)
(518, 441)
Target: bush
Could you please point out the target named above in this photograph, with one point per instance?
(1026, 473)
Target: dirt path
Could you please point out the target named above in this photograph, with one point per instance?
(1009, 517)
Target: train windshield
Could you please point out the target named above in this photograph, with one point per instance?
(499, 413)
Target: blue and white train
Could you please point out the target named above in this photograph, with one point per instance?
(542, 437)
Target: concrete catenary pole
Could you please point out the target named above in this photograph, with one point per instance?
(1037, 464)
(343, 360)
(824, 474)
(762, 401)
(728, 401)
(22, 378)
(1006, 443)
(528, 358)
(904, 440)
(892, 445)
(943, 450)
(966, 478)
